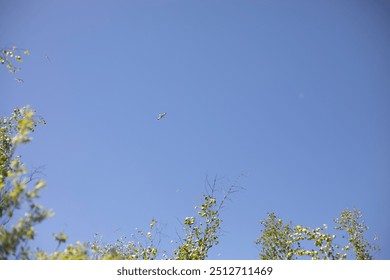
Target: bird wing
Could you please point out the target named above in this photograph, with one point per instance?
(160, 116)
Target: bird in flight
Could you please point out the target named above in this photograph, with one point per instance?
(19, 80)
(160, 116)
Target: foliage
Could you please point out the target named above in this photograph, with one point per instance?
(99, 250)
(15, 190)
(279, 241)
(144, 246)
(200, 236)
(202, 232)
(276, 239)
(71, 252)
(351, 222)
(8, 57)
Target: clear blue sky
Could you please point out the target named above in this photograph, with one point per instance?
(292, 94)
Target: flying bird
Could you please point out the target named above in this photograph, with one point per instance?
(19, 80)
(160, 116)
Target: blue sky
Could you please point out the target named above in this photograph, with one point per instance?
(288, 99)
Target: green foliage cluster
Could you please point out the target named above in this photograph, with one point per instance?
(282, 241)
(15, 189)
(8, 57)
(122, 250)
(200, 236)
